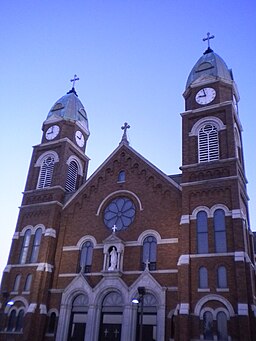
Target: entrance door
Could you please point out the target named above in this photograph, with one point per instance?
(77, 327)
(110, 332)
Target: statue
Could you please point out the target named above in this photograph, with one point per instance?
(113, 259)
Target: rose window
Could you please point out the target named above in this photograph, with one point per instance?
(120, 212)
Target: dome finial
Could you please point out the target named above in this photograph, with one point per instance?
(73, 86)
(208, 40)
(124, 137)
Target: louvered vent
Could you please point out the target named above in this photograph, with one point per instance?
(208, 143)
(71, 177)
(46, 172)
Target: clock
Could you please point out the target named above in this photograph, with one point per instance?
(205, 96)
(79, 138)
(52, 132)
(119, 213)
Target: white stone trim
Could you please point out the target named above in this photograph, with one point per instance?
(79, 163)
(208, 119)
(183, 260)
(32, 308)
(184, 219)
(239, 256)
(222, 207)
(184, 308)
(238, 214)
(119, 192)
(46, 154)
(213, 297)
(149, 232)
(15, 235)
(83, 239)
(43, 309)
(242, 309)
(7, 268)
(44, 267)
(50, 232)
(198, 209)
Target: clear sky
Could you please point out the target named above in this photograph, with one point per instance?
(133, 58)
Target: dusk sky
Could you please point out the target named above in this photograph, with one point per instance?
(133, 58)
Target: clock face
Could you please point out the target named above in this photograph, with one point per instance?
(119, 213)
(79, 138)
(205, 96)
(52, 132)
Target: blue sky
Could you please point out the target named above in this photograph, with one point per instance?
(133, 59)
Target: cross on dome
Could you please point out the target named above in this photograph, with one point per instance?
(74, 81)
(208, 39)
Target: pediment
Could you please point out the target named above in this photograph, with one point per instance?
(126, 158)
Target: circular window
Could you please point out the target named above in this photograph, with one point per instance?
(120, 212)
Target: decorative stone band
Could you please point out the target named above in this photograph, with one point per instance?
(32, 308)
(44, 267)
(184, 308)
(242, 309)
(43, 309)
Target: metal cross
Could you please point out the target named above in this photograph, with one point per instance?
(106, 332)
(208, 38)
(114, 228)
(74, 80)
(125, 127)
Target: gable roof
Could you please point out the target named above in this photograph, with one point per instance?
(123, 144)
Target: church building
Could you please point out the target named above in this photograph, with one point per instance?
(131, 253)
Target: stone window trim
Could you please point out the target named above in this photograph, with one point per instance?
(119, 193)
(210, 211)
(78, 162)
(42, 157)
(214, 297)
(207, 120)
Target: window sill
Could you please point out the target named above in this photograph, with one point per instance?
(204, 290)
(222, 289)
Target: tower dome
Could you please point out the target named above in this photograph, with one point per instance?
(209, 65)
(69, 107)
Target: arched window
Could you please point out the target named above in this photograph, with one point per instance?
(222, 327)
(121, 176)
(46, 172)
(72, 177)
(222, 277)
(52, 319)
(208, 143)
(17, 283)
(220, 231)
(203, 278)
(28, 282)
(202, 232)
(86, 256)
(149, 253)
(208, 325)
(25, 246)
(11, 321)
(19, 321)
(36, 245)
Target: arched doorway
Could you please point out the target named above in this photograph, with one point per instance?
(149, 314)
(111, 317)
(78, 318)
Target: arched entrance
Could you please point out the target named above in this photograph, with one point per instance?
(111, 317)
(149, 320)
(78, 318)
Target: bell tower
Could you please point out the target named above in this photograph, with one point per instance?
(216, 240)
(57, 170)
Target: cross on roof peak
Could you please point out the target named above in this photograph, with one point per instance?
(124, 128)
